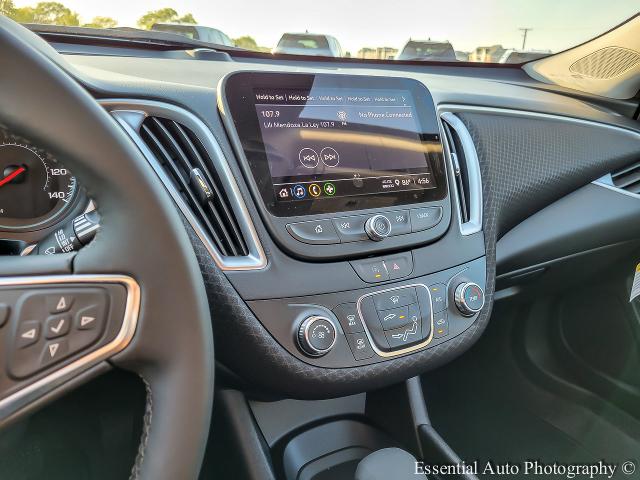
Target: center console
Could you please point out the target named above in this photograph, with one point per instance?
(353, 181)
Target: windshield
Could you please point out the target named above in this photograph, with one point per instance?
(496, 31)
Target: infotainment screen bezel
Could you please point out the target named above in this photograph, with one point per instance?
(238, 90)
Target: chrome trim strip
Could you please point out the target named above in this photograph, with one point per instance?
(131, 113)
(474, 224)
(22, 398)
(410, 349)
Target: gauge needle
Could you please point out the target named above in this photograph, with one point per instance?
(12, 175)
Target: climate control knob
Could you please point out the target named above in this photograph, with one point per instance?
(378, 227)
(469, 298)
(316, 335)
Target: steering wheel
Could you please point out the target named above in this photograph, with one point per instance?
(142, 241)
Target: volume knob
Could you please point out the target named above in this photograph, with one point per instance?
(378, 227)
(469, 298)
(316, 335)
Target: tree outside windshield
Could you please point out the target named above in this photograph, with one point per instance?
(496, 31)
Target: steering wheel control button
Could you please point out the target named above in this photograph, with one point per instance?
(89, 318)
(400, 223)
(360, 346)
(406, 335)
(59, 303)
(440, 325)
(425, 218)
(399, 266)
(438, 297)
(57, 326)
(28, 333)
(377, 227)
(395, 298)
(54, 351)
(319, 232)
(469, 298)
(371, 271)
(347, 315)
(351, 229)
(317, 335)
(4, 314)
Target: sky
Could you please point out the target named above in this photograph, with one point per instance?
(467, 24)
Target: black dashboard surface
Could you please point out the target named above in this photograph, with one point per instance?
(530, 156)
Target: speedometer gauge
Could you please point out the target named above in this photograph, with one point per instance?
(34, 189)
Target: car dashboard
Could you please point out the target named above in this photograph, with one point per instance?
(354, 224)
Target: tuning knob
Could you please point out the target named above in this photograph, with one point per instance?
(316, 335)
(469, 298)
(378, 227)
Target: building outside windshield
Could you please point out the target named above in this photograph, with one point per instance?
(488, 31)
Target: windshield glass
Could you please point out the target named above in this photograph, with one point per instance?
(496, 31)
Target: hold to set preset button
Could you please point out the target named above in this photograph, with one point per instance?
(425, 218)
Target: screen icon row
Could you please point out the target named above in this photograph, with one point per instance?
(301, 191)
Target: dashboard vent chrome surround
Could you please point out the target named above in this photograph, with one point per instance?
(183, 157)
(627, 178)
(466, 170)
(191, 165)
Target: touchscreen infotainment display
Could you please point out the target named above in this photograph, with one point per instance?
(324, 143)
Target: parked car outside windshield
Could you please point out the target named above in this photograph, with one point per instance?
(308, 44)
(428, 51)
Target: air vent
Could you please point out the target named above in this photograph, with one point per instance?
(466, 170)
(189, 167)
(628, 178)
(459, 162)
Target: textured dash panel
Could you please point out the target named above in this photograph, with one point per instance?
(526, 164)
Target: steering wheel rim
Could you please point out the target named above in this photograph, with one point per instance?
(142, 236)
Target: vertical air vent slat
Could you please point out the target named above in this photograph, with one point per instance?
(460, 170)
(179, 178)
(467, 177)
(225, 218)
(186, 161)
(628, 178)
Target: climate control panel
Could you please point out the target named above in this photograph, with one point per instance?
(374, 324)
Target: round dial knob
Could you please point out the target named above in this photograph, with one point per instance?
(469, 298)
(378, 227)
(316, 335)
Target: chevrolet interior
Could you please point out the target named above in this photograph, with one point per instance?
(220, 263)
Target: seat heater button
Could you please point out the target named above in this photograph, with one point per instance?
(438, 297)
(347, 314)
(360, 346)
(407, 335)
(399, 266)
(395, 298)
(425, 218)
(57, 326)
(371, 271)
(319, 232)
(28, 333)
(59, 303)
